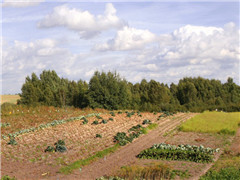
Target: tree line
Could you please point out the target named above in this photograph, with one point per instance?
(109, 91)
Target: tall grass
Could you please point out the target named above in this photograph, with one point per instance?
(151, 171)
(213, 122)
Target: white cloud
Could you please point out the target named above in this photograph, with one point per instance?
(128, 39)
(21, 3)
(83, 22)
(211, 52)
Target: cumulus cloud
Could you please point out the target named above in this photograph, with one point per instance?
(128, 38)
(83, 22)
(22, 58)
(211, 52)
(21, 3)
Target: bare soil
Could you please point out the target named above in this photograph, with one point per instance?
(126, 155)
(235, 147)
(27, 160)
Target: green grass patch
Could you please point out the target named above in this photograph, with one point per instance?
(225, 173)
(6, 177)
(213, 122)
(80, 163)
(149, 127)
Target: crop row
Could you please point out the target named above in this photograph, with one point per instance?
(185, 147)
(180, 152)
(50, 124)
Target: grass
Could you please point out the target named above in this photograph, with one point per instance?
(213, 122)
(9, 98)
(80, 163)
(150, 171)
(227, 167)
(149, 127)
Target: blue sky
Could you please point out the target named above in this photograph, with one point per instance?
(165, 41)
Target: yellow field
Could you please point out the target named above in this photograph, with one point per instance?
(9, 98)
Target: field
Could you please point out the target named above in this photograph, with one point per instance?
(9, 98)
(213, 122)
(91, 150)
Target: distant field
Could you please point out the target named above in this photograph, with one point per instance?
(213, 122)
(9, 98)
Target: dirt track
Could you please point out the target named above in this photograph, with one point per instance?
(126, 155)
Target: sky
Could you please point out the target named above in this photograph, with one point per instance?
(161, 40)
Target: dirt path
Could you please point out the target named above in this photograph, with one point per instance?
(235, 147)
(126, 155)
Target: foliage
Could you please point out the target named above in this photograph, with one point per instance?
(224, 173)
(180, 152)
(110, 119)
(213, 122)
(110, 91)
(59, 147)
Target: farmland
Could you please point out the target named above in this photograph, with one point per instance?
(71, 143)
(9, 98)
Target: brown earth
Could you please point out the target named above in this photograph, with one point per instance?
(126, 155)
(27, 160)
(235, 147)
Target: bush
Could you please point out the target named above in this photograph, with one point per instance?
(110, 119)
